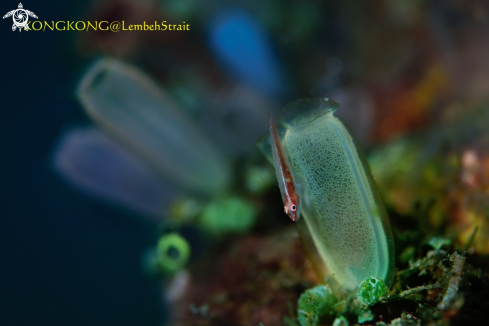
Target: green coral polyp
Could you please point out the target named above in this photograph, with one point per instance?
(342, 208)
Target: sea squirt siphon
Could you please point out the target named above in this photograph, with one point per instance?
(341, 205)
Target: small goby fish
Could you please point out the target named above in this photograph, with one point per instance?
(288, 188)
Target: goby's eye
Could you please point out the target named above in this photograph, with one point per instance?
(292, 208)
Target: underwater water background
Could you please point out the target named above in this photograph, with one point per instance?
(65, 258)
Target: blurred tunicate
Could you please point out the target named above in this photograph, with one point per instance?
(132, 109)
(100, 166)
(173, 252)
(240, 44)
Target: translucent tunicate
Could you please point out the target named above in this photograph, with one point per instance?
(241, 46)
(344, 215)
(98, 165)
(138, 114)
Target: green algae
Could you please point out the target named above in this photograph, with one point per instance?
(313, 304)
(370, 290)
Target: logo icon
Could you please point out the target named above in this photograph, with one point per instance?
(20, 17)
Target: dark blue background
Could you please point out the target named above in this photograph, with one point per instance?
(65, 259)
